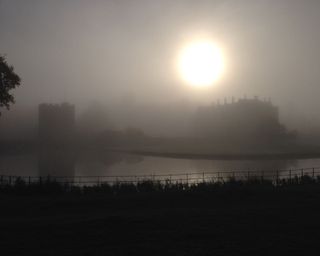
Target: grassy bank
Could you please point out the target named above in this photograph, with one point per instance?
(255, 185)
(252, 217)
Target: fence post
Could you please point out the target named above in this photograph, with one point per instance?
(301, 172)
(187, 176)
(277, 179)
(29, 180)
(218, 176)
(203, 177)
(313, 172)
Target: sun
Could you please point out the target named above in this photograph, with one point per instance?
(200, 63)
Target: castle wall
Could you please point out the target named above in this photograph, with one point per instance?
(246, 119)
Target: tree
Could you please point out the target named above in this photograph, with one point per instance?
(8, 80)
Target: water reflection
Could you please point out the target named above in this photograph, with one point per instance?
(56, 162)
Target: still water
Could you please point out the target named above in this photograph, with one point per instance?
(118, 164)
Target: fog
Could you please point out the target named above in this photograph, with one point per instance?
(122, 56)
(159, 127)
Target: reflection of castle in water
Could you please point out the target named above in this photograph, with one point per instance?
(56, 124)
(56, 136)
(56, 162)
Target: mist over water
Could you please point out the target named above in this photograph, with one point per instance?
(115, 164)
(116, 62)
(159, 127)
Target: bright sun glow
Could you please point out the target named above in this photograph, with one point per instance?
(201, 63)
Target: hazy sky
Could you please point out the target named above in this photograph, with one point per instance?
(76, 50)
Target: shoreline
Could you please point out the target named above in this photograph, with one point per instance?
(225, 156)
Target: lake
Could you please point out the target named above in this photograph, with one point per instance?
(122, 164)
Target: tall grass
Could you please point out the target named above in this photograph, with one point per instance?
(253, 185)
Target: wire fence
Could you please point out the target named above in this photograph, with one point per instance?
(183, 178)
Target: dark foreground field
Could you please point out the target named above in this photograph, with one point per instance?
(234, 220)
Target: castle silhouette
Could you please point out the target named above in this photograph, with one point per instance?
(244, 120)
